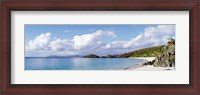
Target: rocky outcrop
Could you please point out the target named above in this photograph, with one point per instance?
(91, 56)
(166, 58)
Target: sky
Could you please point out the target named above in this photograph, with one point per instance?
(65, 40)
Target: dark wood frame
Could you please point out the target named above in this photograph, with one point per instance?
(98, 5)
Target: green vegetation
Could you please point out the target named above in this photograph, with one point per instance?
(171, 40)
(146, 52)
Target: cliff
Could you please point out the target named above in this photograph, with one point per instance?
(166, 58)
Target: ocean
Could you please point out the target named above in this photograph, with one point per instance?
(46, 63)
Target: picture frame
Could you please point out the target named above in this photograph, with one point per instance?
(99, 5)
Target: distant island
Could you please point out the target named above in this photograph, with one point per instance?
(70, 56)
(91, 56)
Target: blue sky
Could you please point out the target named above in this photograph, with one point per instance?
(63, 40)
(69, 31)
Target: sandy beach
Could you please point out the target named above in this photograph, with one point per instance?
(152, 68)
(141, 67)
(145, 58)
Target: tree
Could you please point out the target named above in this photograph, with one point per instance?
(171, 40)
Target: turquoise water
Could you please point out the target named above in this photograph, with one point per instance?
(79, 63)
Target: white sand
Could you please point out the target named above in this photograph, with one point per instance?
(145, 58)
(152, 68)
(141, 67)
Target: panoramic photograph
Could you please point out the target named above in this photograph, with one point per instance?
(142, 47)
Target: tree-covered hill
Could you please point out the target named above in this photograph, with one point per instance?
(91, 56)
(146, 52)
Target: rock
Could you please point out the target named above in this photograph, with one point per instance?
(167, 57)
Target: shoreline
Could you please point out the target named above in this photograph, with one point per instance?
(141, 67)
(144, 58)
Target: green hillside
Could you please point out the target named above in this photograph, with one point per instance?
(164, 54)
(146, 52)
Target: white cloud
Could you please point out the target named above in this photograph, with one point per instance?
(92, 43)
(60, 45)
(89, 40)
(151, 36)
(40, 42)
